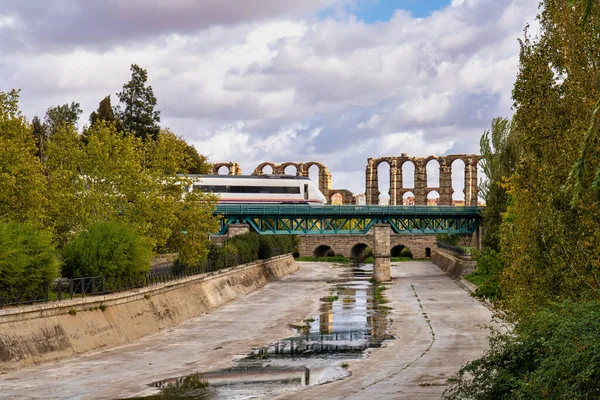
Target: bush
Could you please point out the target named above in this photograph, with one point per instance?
(27, 257)
(552, 354)
(112, 250)
(274, 245)
(221, 256)
(247, 246)
(452, 239)
(489, 269)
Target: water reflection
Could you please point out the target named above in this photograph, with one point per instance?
(349, 322)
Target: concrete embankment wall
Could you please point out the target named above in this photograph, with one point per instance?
(452, 264)
(31, 335)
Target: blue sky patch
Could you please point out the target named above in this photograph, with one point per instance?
(371, 11)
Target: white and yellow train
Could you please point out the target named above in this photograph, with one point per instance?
(283, 189)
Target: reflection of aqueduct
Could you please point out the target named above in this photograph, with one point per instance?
(397, 190)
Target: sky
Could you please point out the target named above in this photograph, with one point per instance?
(335, 81)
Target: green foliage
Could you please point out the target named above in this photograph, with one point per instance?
(449, 238)
(221, 256)
(500, 155)
(136, 108)
(108, 249)
(487, 275)
(22, 180)
(27, 256)
(548, 238)
(104, 113)
(247, 246)
(554, 354)
(60, 116)
(272, 245)
(117, 177)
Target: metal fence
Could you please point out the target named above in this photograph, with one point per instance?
(64, 288)
(460, 251)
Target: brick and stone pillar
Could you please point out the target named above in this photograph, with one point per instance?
(372, 183)
(325, 183)
(471, 188)
(381, 252)
(393, 183)
(399, 185)
(235, 169)
(445, 183)
(237, 229)
(420, 182)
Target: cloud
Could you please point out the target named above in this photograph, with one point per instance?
(272, 83)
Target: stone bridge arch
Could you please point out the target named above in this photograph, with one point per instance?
(233, 168)
(324, 176)
(299, 168)
(420, 245)
(421, 189)
(259, 169)
(357, 252)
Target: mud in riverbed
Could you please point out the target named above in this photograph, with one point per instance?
(352, 318)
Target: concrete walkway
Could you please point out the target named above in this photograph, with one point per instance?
(416, 365)
(437, 326)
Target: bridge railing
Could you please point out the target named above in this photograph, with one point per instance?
(459, 251)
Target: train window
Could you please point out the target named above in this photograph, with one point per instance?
(249, 189)
(305, 192)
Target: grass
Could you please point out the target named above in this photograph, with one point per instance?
(378, 295)
(476, 279)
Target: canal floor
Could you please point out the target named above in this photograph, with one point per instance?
(435, 323)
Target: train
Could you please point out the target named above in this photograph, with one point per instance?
(278, 189)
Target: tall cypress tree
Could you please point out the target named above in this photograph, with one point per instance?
(136, 108)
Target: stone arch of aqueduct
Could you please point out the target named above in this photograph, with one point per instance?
(397, 189)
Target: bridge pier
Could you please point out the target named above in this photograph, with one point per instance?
(237, 229)
(381, 252)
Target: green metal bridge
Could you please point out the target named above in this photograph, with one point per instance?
(348, 219)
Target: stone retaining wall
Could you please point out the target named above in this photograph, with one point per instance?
(31, 335)
(452, 264)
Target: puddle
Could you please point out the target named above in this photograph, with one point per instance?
(349, 322)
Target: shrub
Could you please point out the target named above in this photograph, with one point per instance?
(552, 354)
(449, 238)
(107, 249)
(247, 246)
(489, 269)
(27, 257)
(273, 245)
(221, 256)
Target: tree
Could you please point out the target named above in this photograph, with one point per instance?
(27, 257)
(104, 112)
(196, 163)
(549, 241)
(500, 154)
(108, 249)
(173, 155)
(137, 103)
(117, 177)
(22, 180)
(59, 116)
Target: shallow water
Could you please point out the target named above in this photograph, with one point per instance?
(350, 320)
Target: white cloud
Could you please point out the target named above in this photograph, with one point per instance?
(273, 85)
